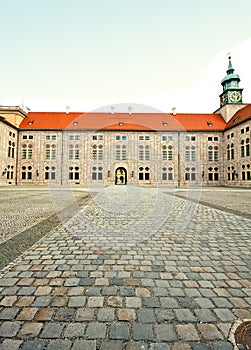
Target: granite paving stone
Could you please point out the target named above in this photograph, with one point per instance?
(165, 332)
(96, 330)
(119, 331)
(10, 344)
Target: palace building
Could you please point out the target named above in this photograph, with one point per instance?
(106, 148)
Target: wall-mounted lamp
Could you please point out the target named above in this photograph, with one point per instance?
(4, 172)
(132, 173)
(108, 173)
(202, 174)
(37, 172)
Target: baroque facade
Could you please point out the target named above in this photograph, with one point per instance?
(129, 148)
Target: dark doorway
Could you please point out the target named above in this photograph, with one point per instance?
(120, 176)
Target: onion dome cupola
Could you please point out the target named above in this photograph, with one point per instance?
(232, 93)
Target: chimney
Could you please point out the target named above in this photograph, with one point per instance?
(112, 110)
(130, 110)
(67, 109)
(174, 110)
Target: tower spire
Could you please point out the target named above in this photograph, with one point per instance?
(232, 93)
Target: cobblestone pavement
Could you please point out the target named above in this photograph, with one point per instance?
(234, 200)
(21, 209)
(134, 269)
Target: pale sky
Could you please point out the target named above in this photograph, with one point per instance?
(91, 53)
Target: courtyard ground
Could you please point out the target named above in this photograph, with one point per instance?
(123, 267)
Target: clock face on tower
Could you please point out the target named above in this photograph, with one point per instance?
(235, 96)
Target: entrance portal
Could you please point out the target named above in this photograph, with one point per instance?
(120, 176)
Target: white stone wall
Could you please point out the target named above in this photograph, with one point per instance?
(7, 164)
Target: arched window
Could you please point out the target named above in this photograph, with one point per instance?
(213, 174)
(50, 173)
(213, 153)
(73, 152)
(120, 152)
(144, 152)
(73, 173)
(190, 153)
(144, 173)
(50, 151)
(167, 174)
(97, 152)
(26, 151)
(11, 149)
(97, 173)
(26, 172)
(190, 174)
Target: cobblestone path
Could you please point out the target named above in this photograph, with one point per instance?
(134, 269)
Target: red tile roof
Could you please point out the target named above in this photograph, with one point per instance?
(122, 121)
(240, 116)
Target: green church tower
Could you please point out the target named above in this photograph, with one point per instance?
(232, 93)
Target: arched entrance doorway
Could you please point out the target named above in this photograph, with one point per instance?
(120, 176)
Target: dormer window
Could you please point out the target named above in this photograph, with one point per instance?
(210, 124)
(235, 119)
(165, 123)
(121, 123)
(30, 122)
(75, 123)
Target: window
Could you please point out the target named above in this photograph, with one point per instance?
(26, 137)
(247, 147)
(10, 172)
(26, 173)
(73, 152)
(209, 139)
(144, 174)
(190, 138)
(190, 153)
(50, 137)
(11, 149)
(144, 152)
(164, 152)
(26, 151)
(167, 152)
(190, 174)
(97, 137)
(213, 174)
(144, 138)
(213, 153)
(74, 137)
(50, 173)
(97, 152)
(74, 173)
(50, 151)
(230, 151)
(120, 152)
(97, 173)
(247, 128)
(167, 174)
(120, 137)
